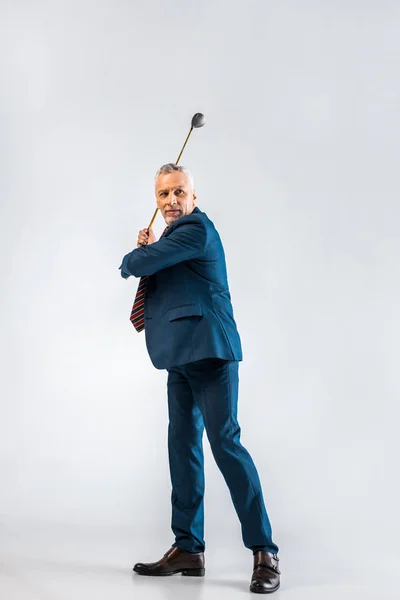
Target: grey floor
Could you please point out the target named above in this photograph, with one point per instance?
(60, 563)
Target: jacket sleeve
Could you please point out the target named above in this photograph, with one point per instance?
(186, 242)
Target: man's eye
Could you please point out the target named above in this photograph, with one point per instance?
(179, 191)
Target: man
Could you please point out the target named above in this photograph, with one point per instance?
(184, 305)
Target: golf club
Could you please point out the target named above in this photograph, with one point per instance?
(198, 120)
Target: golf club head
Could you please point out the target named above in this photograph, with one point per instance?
(198, 120)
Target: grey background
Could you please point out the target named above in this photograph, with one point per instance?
(298, 168)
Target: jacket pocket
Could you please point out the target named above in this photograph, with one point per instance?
(188, 310)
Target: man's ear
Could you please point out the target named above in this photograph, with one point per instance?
(194, 197)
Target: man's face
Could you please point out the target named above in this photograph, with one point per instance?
(175, 196)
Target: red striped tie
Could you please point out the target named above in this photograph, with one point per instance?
(137, 313)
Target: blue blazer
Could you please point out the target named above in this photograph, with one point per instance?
(187, 309)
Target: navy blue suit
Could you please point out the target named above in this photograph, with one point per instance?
(188, 311)
(191, 331)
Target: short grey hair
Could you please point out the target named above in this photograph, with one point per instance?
(171, 167)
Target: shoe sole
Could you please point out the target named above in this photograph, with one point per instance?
(185, 572)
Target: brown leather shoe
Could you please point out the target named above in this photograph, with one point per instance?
(266, 574)
(174, 561)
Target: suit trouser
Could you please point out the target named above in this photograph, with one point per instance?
(205, 394)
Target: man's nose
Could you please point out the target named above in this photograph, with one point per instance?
(172, 199)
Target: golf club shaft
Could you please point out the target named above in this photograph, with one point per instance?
(177, 160)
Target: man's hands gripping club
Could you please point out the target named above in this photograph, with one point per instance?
(145, 237)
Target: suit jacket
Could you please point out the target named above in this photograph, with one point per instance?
(187, 310)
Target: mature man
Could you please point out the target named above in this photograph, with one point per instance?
(184, 305)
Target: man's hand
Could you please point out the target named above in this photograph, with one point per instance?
(145, 237)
